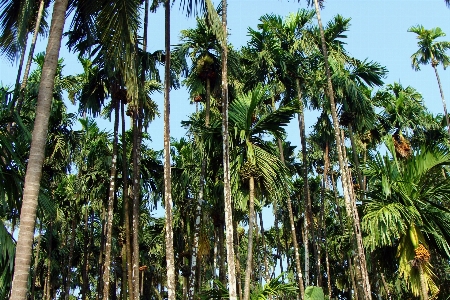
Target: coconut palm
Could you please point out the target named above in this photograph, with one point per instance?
(431, 52)
(407, 208)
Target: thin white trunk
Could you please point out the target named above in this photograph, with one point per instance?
(170, 258)
(226, 162)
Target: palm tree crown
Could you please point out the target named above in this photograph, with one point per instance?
(430, 51)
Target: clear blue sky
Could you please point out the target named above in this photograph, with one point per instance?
(378, 32)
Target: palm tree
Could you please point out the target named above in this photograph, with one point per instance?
(34, 168)
(23, 85)
(405, 208)
(431, 51)
(256, 161)
(170, 257)
(202, 46)
(346, 181)
(223, 37)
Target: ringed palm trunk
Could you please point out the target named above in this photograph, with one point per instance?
(34, 167)
(226, 162)
(293, 233)
(423, 284)
(251, 217)
(111, 197)
(433, 64)
(348, 193)
(30, 56)
(170, 258)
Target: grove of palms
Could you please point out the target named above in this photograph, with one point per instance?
(231, 210)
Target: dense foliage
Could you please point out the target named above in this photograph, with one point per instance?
(99, 232)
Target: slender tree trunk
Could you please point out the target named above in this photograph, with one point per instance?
(101, 256)
(170, 260)
(386, 287)
(84, 274)
(263, 240)
(17, 89)
(308, 211)
(126, 209)
(251, 218)
(47, 294)
(111, 197)
(30, 56)
(226, 161)
(293, 233)
(325, 189)
(198, 217)
(208, 101)
(36, 261)
(37, 151)
(348, 193)
(356, 158)
(442, 97)
(215, 255)
(423, 284)
(238, 264)
(222, 242)
(195, 260)
(352, 270)
(277, 232)
(69, 259)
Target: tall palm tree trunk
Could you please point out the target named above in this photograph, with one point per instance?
(238, 264)
(293, 233)
(433, 64)
(251, 218)
(263, 241)
(277, 232)
(308, 211)
(226, 162)
(85, 269)
(17, 89)
(37, 151)
(170, 259)
(111, 197)
(69, 259)
(48, 285)
(198, 216)
(36, 261)
(30, 56)
(325, 189)
(126, 208)
(356, 157)
(348, 193)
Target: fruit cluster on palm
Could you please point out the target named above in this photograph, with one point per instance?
(84, 199)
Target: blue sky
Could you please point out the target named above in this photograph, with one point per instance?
(378, 32)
